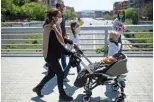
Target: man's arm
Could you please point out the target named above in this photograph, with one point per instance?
(62, 25)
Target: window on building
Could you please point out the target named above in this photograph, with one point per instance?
(48, 2)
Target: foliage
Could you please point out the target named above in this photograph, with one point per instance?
(18, 9)
(114, 17)
(100, 49)
(69, 14)
(128, 22)
(20, 2)
(81, 22)
(26, 42)
(33, 10)
(147, 10)
(132, 14)
(141, 36)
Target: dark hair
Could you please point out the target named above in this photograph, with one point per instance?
(73, 24)
(123, 19)
(58, 5)
(51, 13)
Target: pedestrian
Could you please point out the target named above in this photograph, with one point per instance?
(118, 24)
(61, 27)
(74, 36)
(60, 6)
(53, 47)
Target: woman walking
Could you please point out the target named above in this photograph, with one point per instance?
(53, 48)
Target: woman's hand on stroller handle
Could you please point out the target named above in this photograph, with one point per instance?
(77, 48)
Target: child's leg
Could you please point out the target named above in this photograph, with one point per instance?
(78, 68)
(67, 70)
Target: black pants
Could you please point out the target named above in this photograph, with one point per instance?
(53, 68)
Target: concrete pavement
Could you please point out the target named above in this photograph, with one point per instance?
(21, 74)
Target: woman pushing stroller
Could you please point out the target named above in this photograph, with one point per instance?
(53, 47)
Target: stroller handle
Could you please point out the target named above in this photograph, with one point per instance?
(81, 52)
(77, 48)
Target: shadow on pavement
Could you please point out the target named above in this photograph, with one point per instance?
(70, 90)
(37, 99)
(93, 99)
(48, 88)
(110, 93)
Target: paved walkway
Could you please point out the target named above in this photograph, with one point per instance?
(21, 74)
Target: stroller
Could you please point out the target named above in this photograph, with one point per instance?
(99, 73)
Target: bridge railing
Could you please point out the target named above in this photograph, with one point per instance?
(27, 41)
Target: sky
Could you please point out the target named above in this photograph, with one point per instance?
(80, 5)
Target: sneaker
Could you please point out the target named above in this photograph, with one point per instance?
(64, 97)
(38, 92)
(45, 67)
(66, 80)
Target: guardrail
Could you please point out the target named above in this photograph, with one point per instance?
(27, 41)
(23, 24)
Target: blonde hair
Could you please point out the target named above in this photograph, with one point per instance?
(112, 35)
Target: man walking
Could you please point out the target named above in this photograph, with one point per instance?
(60, 6)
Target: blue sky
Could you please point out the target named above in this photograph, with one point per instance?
(91, 4)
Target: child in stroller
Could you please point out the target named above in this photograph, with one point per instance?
(100, 73)
(114, 45)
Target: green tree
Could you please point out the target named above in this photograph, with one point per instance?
(74, 14)
(147, 10)
(20, 2)
(132, 14)
(34, 10)
(5, 6)
(33, 0)
(19, 9)
(69, 14)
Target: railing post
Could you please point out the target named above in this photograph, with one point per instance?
(106, 43)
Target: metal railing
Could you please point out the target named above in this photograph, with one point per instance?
(23, 24)
(27, 41)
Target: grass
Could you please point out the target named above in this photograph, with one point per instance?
(128, 22)
(26, 42)
(141, 36)
(100, 49)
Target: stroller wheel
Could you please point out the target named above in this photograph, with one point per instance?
(115, 87)
(86, 98)
(123, 95)
(119, 99)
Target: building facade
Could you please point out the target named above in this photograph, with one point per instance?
(50, 2)
(136, 3)
(120, 6)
